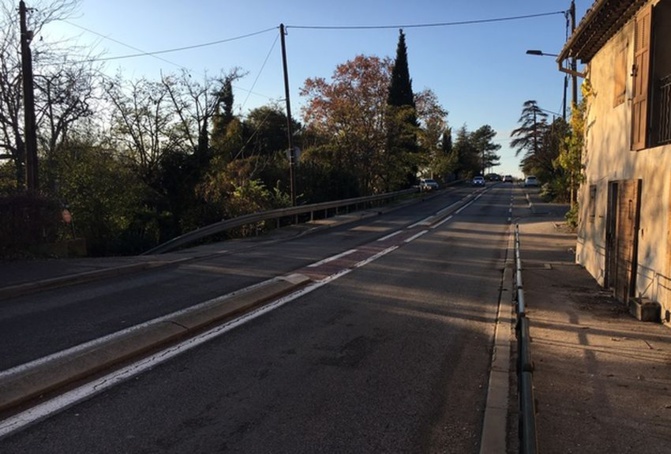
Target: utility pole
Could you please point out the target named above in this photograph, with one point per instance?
(292, 151)
(28, 102)
(574, 68)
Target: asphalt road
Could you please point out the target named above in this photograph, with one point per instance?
(390, 357)
(36, 325)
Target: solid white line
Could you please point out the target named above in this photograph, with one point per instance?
(440, 213)
(422, 222)
(442, 222)
(375, 257)
(415, 236)
(110, 337)
(330, 259)
(384, 238)
(88, 390)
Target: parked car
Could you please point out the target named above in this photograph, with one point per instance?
(478, 181)
(530, 182)
(508, 179)
(428, 184)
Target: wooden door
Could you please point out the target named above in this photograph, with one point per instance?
(626, 238)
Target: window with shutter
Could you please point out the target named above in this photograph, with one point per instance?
(640, 77)
(620, 67)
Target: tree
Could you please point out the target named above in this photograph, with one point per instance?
(105, 197)
(401, 119)
(400, 87)
(253, 159)
(143, 123)
(65, 98)
(433, 125)
(266, 131)
(527, 137)
(465, 156)
(12, 145)
(570, 154)
(348, 114)
(195, 104)
(541, 144)
(482, 142)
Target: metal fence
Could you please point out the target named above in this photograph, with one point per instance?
(525, 366)
(323, 209)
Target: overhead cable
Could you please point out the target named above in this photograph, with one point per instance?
(178, 49)
(439, 24)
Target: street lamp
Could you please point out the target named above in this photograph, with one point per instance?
(541, 53)
(545, 54)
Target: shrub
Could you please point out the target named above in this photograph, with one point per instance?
(27, 221)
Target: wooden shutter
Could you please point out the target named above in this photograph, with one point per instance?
(640, 77)
(620, 68)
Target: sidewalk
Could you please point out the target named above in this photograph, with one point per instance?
(602, 379)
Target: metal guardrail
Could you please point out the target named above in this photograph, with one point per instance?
(525, 366)
(252, 218)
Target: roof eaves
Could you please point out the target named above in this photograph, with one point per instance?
(599, 24)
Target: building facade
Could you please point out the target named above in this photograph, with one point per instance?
(624, 234)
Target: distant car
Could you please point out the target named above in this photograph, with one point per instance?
(508, 179)
(478, 181)
(530, 182)
(428, 184)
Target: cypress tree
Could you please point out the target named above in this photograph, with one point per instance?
(402, 121)
(400, 89)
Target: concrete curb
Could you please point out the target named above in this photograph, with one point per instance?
(494, 426)
(31, 380)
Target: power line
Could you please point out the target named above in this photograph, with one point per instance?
(152, 54)
(119, 42)
(249, 92)
(439, 24)
(179, 49)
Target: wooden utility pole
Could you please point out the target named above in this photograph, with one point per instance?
(30, 132)
(292, 151)
(574, 95)
(574, 68)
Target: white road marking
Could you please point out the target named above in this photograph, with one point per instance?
(415, 236)
(391, 235)
(441, 212)
(442, 222)
(88, 390)
(424, 221)
(330, 259)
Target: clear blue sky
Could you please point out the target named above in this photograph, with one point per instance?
(480, 72)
